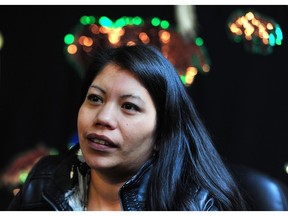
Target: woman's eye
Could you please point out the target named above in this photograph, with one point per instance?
(130, 107)
(94, 98)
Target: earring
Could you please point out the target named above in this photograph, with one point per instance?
(80, 156)
(72, 172)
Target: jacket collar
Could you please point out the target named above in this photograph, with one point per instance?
(133, 193)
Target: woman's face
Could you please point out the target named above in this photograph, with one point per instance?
(116, 122)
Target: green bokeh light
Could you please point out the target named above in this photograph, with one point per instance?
(69, 39)
(164, 24)
(155, 21)
(120, 22)
(87, 20)
(23, 176)
(199, 41)
(137, 20)
(105, 21)
(183, 79)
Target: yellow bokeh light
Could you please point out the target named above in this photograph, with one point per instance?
(269, 26)
(239, 21)
(113, 38)
(233, 28)
(94, 29)
(191, 71)
(104, 30)
(87, 42)
(131, 43)
(239, 32)
(206, 68)
(265, 35)
(248, 37)
(249, 15)
(190, 75)
(255, 22)
(144, 38)
(72, 49)
(81, 39)
(164, 36)
(243, 20)
(249, 30)
(265, 41)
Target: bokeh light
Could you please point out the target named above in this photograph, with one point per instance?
(1, 40)
(188, 57)
(258, 32)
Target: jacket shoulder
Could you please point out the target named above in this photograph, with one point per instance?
(30, 194)
(46, 165)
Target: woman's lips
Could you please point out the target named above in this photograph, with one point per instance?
(100, 142)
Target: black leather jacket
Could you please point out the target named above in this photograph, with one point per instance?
(50, 179)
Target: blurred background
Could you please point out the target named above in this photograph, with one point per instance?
(238, 78)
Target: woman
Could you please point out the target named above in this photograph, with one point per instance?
(142, 145)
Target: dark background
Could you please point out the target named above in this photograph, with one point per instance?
(242, 101)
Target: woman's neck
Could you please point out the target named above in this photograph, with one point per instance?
(103, 193)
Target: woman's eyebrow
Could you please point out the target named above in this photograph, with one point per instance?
(97, 87)
(133, 96)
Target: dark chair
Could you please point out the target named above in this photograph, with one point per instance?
(262, 192)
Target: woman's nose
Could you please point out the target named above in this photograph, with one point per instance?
(106, 116)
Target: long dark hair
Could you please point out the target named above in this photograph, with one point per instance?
(186, 154)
